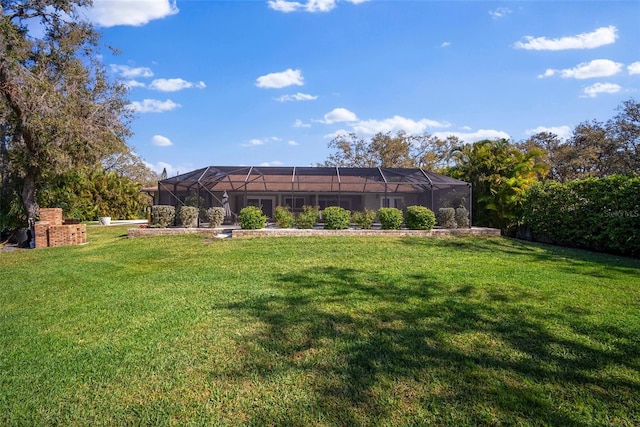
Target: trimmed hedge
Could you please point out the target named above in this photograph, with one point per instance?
(390, 218)
(364, 219)
(601, 214)
(162, 215)
(188, 216)
(252, 218)
(419, 218)
(307, 218)
(447, 217)
(284, 217)
(336, 218)
(215, 215)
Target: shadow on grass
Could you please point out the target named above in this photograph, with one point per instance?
(572, 258)
(372, 352)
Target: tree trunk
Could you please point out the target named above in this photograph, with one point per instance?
(29, 195)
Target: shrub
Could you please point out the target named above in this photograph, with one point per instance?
(364, 219)
(419, 218)
(390, 218)
(252, 218)
(336, 218)
(215, 216)
(162, 215)
(447, 217)
(462, 217)
(307, 218)
(600, 214)
(189, 216)
(284, 217)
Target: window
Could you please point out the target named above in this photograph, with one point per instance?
(295, 203)
(392, 202)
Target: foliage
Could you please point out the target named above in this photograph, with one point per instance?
(188, 216)
(419, 218)
(162, 215)
(307, 218)
(391, 151)
(284, 217)
(215, 215)
(499, 174)
(252, 218)
(600, 214)
(447, 217)
(86, 194)
(595, 149)
(336, 218)
(58, 107)
(390, 218)
(364, 219)
(335, 332)
(193, 199)
(462, 217)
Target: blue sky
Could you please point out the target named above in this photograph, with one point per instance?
(272, 82)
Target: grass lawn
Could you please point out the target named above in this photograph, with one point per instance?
(178, 330)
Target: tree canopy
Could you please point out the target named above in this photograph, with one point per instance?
(58, 108)
(501, 171)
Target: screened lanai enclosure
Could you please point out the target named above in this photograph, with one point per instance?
(351, 188)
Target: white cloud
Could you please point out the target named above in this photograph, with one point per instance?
(299, 124)
(109, 13)
(134, 83)
(500, 12)
(634, 68)
(445, 44)
(292, 143)
(273, 163)
(282, 79)
(131, 72)
(598, 88)
(563, 132)
(396, 124)
(161, 141)
(339, 115)
(297, 97)
(153, 106)
(479, 135)
(173, 85)
(339, 132)
(600, 37)
(587, 70)
(312, 6)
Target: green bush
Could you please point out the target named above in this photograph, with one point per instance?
(162, 215)
(307, 218)
(215, 215)
(447, 217)
(462, 217)
(336, 218)
(188, 216)
(419, 218)
(252, 218)
(284, 217)
(364, 219)
(601, 214)
(390, 218)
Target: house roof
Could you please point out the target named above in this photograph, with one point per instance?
(312, 179)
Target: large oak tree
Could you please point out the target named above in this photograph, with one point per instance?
(58, 108)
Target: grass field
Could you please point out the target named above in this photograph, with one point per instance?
(318, 331)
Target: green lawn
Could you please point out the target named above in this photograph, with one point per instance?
(318, 332)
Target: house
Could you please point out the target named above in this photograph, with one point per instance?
(351, 188)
